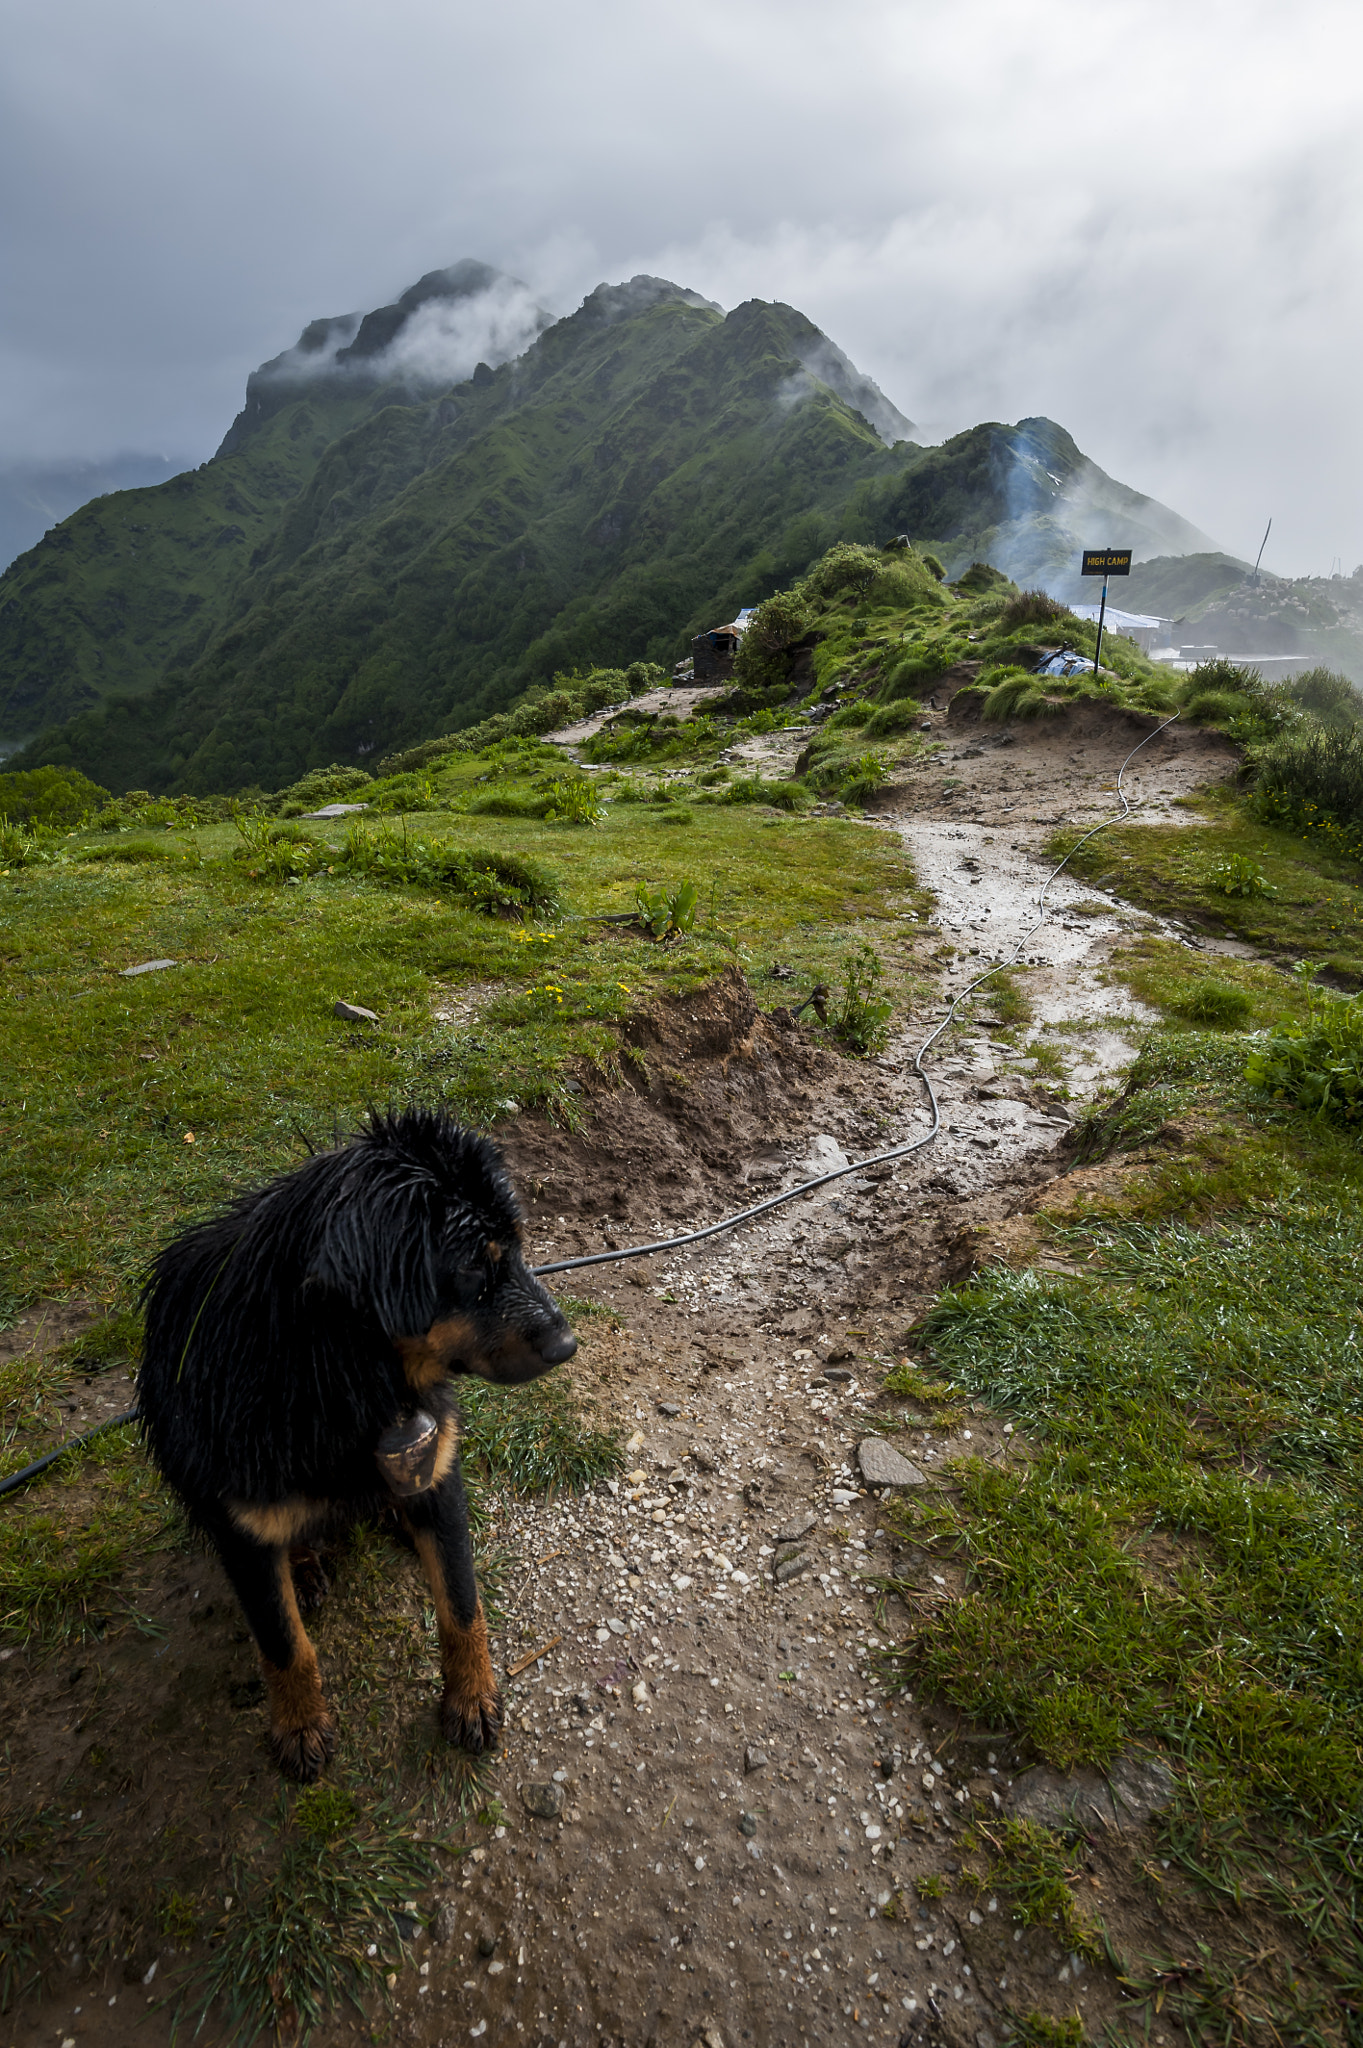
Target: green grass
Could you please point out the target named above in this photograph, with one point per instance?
(129, 1105)
(1315, 909)
(1033, 1868)
(70, 1566)
(534, 1439)
(321, 1929)
(1178, 1560)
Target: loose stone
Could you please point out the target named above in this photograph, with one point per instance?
(882, 1465)
(544, 1801)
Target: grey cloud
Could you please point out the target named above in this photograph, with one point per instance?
(1145, 226)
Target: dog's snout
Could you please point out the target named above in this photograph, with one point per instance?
(556, 1347)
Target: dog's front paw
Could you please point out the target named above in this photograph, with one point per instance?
(472, 1721)
(301, 1752)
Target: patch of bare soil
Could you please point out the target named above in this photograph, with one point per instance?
(716, 1817)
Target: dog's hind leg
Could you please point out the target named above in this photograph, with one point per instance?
(302, 1731)
(471, 1710)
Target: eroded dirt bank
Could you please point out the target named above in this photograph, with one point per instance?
(710, 1801)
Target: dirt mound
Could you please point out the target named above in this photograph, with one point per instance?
(708, 1091)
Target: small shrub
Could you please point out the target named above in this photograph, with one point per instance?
(414, 792)
(1238, 875)
(933, 565)
(1315, 773)
(778, 624)
(862, 1014)
(1017, 694)
(1327, 695)
(983, 579)
(898, 717)
(1033, 608)
(1218, 1004)
(497, 884)
(320, 786)
(914, 674)
(751, 789)
(132, 851)
(1216, 707)
(851, 715)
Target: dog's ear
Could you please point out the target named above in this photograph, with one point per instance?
(378, 1250)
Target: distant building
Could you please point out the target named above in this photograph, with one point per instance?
(712, 652)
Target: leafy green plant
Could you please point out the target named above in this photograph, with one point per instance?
(1316, 1063)
(666, 913)
(1238, 875)
(574, 801)
(860, 777)
(862, 1013)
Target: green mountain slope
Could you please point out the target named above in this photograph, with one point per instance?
(377, 555)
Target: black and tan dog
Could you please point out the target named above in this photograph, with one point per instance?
(300, 1351)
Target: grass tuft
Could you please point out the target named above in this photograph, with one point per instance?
(296, 1944)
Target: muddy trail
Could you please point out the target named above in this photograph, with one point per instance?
(716, 1818)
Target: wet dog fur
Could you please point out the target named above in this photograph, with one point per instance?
(287, 1335)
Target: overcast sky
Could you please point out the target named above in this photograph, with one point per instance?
(1142, 221)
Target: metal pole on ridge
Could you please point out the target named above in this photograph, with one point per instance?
(1104, 562)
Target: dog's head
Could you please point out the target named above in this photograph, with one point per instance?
(426, 1231)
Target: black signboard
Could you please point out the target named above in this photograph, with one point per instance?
(1106, 562)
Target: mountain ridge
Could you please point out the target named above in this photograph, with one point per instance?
(383, 554)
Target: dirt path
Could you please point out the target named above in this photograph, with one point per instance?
(711, 1803)
(739, 1801)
